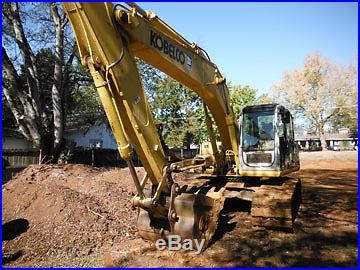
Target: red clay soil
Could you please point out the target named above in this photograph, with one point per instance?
(71, 211)
(80, 216)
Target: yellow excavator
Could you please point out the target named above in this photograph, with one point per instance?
(254, 159)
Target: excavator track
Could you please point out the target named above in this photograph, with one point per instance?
(275, 203)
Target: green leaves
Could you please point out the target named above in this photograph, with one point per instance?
(180, 110)
(177, 108)
(241, 96)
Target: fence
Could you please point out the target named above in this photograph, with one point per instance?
(98, 157)
(21, 157)
(16, 160)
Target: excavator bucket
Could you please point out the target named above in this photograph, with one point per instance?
(196, 218)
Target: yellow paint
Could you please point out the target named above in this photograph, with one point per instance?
(277, 173)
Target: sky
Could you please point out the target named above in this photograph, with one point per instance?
(254, 43)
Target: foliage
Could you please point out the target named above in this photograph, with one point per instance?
(348, 116)
(345, 145)
(320, 92)
(175, 107)
(178, 109)
(264, 99)
(84, 99)
(150, 78)
(345, 120)
(181, 111)
(240, 97)
(8, 119)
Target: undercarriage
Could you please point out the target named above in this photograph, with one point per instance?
(195, 206)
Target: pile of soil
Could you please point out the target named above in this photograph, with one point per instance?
(66, 211)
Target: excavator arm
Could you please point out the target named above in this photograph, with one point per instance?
(108, 38)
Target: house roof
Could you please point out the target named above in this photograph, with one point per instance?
(74, 122)
(83, 121)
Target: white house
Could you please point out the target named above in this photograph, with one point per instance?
(95, 136)
(84, 130)
(89, 130)
(13, 139)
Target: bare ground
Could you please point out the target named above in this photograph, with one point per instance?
(79, 216)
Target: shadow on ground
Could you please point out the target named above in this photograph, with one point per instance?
(325, 235)
(11, 230)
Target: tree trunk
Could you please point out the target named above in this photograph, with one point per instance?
(57, 96)
(58, 88)
(322, 139)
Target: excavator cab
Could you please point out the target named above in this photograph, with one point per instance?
(267, 147)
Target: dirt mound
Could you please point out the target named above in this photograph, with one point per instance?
(66, 211)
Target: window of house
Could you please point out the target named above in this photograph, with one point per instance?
(95, 143)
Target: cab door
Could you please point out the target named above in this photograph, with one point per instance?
(291, 153)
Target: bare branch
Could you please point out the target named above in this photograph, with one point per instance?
(12, 15)
(55, 14)
(64, 22)
(10, 71)
(17, 114)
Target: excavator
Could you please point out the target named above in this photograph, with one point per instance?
(251, 163)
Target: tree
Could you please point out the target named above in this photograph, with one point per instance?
(241, 96)
(348, 117)
(319, 92)
(180, 110)
(345, 120)
(25, 86)
(264, 99)
(150, 78)
(175, 107)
